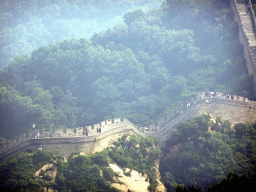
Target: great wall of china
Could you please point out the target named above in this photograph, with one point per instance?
(235, 109)
(232, 108)
(247, 29)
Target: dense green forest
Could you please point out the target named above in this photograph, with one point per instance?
(82, 173)
(17, 174)
(138, 70)
(232, 182)
(201, 152)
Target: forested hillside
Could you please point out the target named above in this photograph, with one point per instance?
(29, 24)
(138, 69)
(81, 173)
(202, 151)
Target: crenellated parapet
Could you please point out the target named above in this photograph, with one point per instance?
(68, 141)
(81, 131)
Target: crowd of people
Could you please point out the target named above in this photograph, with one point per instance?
(163, 122)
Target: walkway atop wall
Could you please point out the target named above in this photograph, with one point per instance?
(247, 22)
(245, 16)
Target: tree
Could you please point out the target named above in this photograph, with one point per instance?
(132, 16)
(240, 130)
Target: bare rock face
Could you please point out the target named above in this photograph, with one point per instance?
(44, 168)
(52, 172)
(160, 187)
(135, 181)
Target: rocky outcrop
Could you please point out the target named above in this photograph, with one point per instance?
(48, 169)
(133, 180)
(160, 187)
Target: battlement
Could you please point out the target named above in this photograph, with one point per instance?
(105, 126)
(72, 144)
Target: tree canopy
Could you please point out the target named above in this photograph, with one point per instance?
(200, 152)
(137, 70)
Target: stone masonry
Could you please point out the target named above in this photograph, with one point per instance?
(247, 30)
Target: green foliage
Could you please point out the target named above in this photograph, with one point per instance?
(47, 177)
(234, 182)
(3, 141)
(108, 173)
(134, 70)
(132, 16)
(82, 173)
(137, 153)
(128, 173)
(17, 174)
(240, 130)
(100, 159)
(200, 158)
(181, 188)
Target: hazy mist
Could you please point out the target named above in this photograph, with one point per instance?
(45, 23)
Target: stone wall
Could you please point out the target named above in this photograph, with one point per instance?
(90, 144)
(244, 37)
(235, 109)
(74, 142)
(16, 149)
(80, 131)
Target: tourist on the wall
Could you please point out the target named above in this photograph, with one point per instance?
(38, 134)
